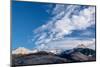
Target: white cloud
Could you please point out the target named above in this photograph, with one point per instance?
(58, 9)
(85, 18)
(61, 25)
(70, 43)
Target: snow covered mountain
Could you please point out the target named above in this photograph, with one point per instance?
(22, 50)
(81, 46)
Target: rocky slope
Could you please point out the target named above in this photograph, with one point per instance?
(43, 57)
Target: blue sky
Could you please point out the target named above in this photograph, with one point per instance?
(37, 24)
(25, 18)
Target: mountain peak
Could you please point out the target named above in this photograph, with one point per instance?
(81, 46)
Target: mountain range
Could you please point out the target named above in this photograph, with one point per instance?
(35, 57)
(22, 50)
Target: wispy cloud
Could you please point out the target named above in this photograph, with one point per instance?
(62, 24)
(70, 43)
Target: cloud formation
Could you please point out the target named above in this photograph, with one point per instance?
(66, 19)
(70, 43)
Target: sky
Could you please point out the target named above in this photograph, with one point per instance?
(50, 26)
